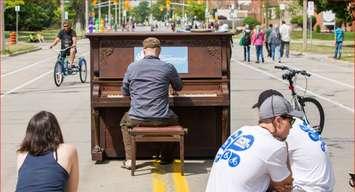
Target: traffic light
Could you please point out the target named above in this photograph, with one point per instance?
(126, 4)
(94, 2)
(115, 2)
(168, 2)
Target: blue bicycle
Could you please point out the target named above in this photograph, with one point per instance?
(61, 68)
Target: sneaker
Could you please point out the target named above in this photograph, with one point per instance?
(127, 164)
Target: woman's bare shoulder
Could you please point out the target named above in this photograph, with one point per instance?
(67, 148)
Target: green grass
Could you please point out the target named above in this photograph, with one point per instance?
(19, 47)
(347, 55)
(48, 34)
(348, 36)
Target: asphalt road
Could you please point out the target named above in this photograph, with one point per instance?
(27, 87)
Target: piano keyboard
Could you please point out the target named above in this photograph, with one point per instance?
(114, 96)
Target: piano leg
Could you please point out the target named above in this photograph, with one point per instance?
(96, 150)
(225, 123)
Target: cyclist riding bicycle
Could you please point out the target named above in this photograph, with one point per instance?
(67, 36)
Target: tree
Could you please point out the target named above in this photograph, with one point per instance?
(76, 11)
(141, 12)
(159, 10)
(196, 9)
(34, 14)
(338, 7)
(251, 21)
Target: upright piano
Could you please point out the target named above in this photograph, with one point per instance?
(203, 105)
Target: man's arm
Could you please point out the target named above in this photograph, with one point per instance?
(175, 80)
(56, 40)
(125, 83)
(279, 170)
(282, 186)
(74, 38)
(74, 41)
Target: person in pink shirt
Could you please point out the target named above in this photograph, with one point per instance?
(258, 39)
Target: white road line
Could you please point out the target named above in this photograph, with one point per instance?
(27, 66)
(27, 83)
(328, 79)
(298, 87)
(34, 64)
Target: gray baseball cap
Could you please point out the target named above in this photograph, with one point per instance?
(275, 106)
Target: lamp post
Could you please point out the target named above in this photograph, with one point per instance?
(17, 9)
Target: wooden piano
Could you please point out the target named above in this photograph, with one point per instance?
(203, 106)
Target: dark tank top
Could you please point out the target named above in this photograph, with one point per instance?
(42, 173)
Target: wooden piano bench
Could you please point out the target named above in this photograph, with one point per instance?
(157, 134)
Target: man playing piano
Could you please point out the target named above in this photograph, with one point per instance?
(147, 83)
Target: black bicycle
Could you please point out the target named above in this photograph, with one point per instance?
(313, 110)
(61, 68)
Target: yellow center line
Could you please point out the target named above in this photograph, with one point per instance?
(180, 182)
(158, 182)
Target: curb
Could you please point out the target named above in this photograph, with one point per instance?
(25, 51)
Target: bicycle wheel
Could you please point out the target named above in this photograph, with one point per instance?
(82, 70)
(314, 113)
(58, 74)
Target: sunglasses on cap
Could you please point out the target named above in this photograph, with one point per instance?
(290, 118)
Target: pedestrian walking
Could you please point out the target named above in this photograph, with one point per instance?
(285, 31)
(339, 38)
(254, 157)
(258, 39)
(267, 43)
(245, 42)
(275, 41)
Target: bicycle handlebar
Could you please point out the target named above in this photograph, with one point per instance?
(293, 72)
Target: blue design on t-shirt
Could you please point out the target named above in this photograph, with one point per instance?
(231, 139)
(242, 143)
(226, 155)
(323, 146)
(312, 134)
(234, 160)
(235, 143)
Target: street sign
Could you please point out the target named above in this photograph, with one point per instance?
(17, 8)
(310, 9)
(282, 6)
(66, 15)
(328, 17)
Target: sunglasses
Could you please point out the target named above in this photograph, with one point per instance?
(65, 26)
(290, 118)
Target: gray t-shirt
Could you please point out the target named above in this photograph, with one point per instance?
(147, 83)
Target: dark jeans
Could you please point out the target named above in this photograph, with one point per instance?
(268, 49)
(285, 45)
(246, 52)
(338, 49)
(259, 53)
(166, 149)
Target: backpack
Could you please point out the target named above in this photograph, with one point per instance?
(246, 38)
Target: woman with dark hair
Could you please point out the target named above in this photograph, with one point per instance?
(44, 162)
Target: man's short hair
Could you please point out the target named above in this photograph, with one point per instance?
(151, 42)
(66, 22)
(283, 22)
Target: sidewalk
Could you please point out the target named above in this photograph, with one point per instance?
(323, 42)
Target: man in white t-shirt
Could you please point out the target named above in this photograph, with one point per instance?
(255, 156)
(285, 31)
(311, 168)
